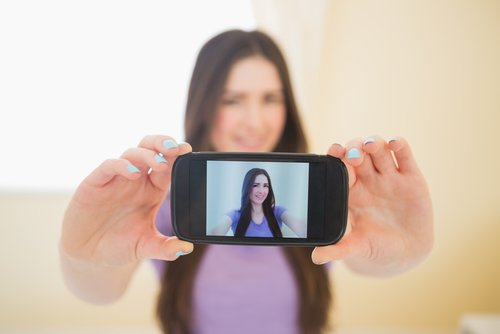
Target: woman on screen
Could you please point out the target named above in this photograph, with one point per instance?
(259, 216)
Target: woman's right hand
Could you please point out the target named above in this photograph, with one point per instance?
(110, 219)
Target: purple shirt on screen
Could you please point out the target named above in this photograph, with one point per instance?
(257, 230)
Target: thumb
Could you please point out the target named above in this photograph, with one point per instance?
(325, 254)
(338, 251)
(161, 247)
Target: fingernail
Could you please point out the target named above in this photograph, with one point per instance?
(393, 139)
(369, 140)
(353, 153)
(169, 143)
(181, 253)
(322, 262)
(132, 169)
(160, 159)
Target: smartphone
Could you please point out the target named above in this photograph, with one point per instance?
(284, 199)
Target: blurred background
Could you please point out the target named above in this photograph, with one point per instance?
(83, 81)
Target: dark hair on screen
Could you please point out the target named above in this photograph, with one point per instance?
(246, 205)
(211, 70)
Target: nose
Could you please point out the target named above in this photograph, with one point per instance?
(255, 115)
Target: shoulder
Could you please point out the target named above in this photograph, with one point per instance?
(279, 210)
(233, 214)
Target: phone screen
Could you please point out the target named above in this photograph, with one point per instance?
(257, 198)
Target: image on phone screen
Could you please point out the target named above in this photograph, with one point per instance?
(257, 199)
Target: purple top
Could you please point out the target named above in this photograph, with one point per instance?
(256, 230)
(239, 289)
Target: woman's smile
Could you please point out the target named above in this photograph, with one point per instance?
(259, 190)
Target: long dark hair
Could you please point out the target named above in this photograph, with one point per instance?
(246, 205)
(211, 70)
(210, 73)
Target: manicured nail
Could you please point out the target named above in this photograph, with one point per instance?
(394, 139)
(160, 159)
(353, 153)
(169, 143)
(132, 169)
(181, 253)
(369, 140)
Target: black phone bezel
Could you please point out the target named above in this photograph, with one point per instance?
(327, 198)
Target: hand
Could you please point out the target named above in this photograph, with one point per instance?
(110, 219)
(390, 219)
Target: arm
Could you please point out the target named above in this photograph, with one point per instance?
(223, 227)
(95, 284)
(298, 226)
(109, 227)
(390, 220)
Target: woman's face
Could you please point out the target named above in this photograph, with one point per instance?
(251, 113)
(259, 190)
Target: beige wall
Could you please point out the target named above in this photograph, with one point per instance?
(427, 70)
(32, 293)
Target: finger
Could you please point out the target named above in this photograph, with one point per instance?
(169, 149)
(354, 152)
(380, 154)
(162, 179)
(145, 159)
(161, 247)
(338, 151)
(358, 159)
(111, 168)
(403, 154)
(166, 145)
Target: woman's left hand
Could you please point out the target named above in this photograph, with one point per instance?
(390, 220)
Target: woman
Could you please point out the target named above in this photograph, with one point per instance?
(240, 99)
(258, 215)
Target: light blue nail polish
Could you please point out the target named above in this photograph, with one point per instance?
(181, 253)
(353, 153)
(132, 169)
(369, 140)
(160, 159)
(169, 143)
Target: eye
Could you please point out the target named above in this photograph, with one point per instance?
(273, 98)
(230, 101)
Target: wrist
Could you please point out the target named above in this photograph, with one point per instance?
(95, 282)
(386, 268)
(80, 264)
